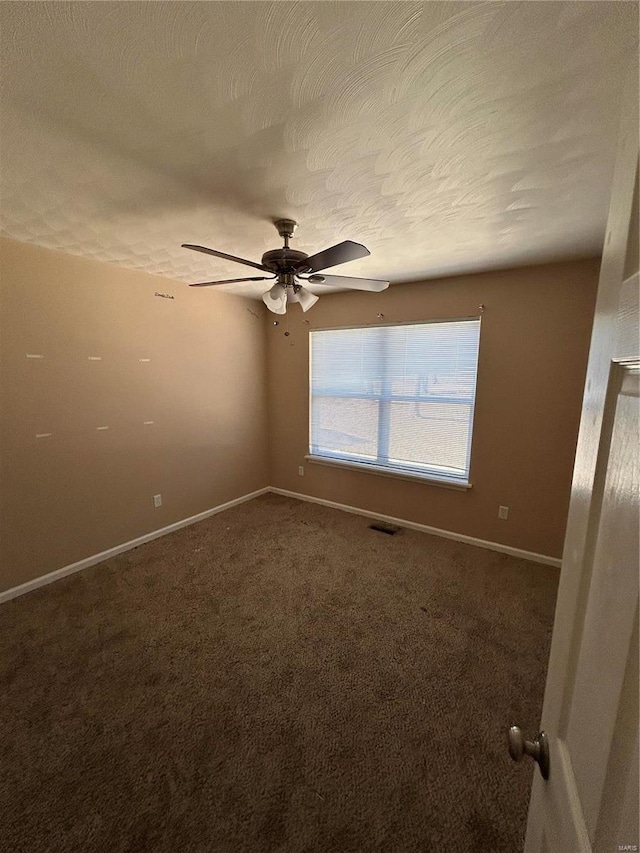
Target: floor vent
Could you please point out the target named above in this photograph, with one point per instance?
(381, 527)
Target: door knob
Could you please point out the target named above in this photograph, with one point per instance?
(537, 749)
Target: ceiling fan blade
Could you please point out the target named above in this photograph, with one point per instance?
(338, 254)
(373, 284)
(230, 280)
(217, 254)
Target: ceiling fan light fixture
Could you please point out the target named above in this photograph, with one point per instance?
(289, 265)
(276, 299)
(306, 298)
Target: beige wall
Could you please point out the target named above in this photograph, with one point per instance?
(533, 353)
(81, 491)
(223, 386)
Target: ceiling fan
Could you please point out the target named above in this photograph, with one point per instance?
(289, 268)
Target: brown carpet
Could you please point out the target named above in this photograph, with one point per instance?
(276, 678)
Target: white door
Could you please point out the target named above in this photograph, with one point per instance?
(589, 804)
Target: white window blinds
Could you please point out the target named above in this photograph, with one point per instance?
(399, 398)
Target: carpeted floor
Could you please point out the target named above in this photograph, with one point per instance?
(276, 678)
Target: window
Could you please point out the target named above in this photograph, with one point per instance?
(396, 399)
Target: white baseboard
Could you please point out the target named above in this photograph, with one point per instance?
(424, 528)
(22, 589)
(15, 591)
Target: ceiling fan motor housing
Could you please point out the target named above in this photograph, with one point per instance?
(285, 261)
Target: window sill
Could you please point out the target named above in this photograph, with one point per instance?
(367, 468)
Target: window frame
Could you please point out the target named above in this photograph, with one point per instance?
(409, 472)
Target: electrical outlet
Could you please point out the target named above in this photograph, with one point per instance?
(157, 501)
(503, 512)
(301, 470)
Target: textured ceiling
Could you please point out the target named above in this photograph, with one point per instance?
(445, 136)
